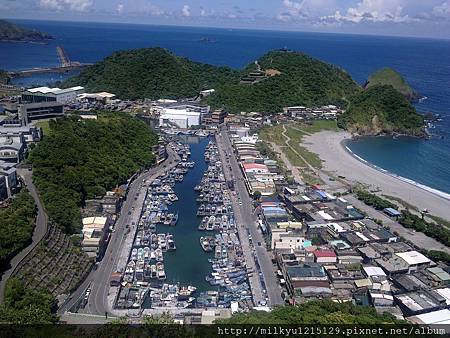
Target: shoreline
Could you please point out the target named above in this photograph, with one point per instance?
(338, 158)
(434, 191)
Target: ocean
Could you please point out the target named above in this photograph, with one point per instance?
(424, 63)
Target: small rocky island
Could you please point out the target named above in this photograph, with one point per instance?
(14, 33)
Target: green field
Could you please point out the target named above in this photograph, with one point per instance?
(45, 125)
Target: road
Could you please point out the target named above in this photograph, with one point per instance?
(39, 231)
(417, 238)
(98, 279)
(246, 217)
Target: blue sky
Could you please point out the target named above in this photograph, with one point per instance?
(420, 18)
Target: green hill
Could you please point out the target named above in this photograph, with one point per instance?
(300, 79)
(278, 79)
(80, 160)
(388, 76)
(320, 312)
(381, 110)
(13, 32)
(151, 73)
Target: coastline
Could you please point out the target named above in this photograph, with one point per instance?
(332, 148)
(401, 178)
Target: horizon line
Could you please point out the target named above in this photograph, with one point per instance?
(234, 28)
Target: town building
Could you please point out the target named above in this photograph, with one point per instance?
(95, 233)
(41, 110)
(46, 94)
(8, 172)
(180, 118)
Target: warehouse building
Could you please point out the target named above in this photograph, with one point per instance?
(181, 118)
(46, 94)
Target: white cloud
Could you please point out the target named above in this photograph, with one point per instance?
(305, 9)
(120, 8)
(186, 11)
(442, 10)
(73, 5)
(371, 11)
(292, 10)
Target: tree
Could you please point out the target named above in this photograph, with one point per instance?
(321, 312)
(257, 195)
(25, 306)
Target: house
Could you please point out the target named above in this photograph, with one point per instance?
(418, 302)
(324, 256)
(415, 260)
(255, 168)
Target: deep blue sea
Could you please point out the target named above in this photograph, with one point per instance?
(424, 62)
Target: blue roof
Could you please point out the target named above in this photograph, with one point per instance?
(322, 193)
(392, 212)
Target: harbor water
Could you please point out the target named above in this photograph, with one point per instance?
(188, 265)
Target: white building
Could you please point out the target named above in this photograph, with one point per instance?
(182, 118)
(414, 259)
(41, 94)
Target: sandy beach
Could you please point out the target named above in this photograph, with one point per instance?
(330, 147)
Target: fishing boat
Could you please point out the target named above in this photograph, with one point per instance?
(170, 242)
(206, 244)
(160, 271)
(174, 220)
(153, 271)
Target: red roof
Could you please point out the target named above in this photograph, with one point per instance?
(324, 253)
(250, 166)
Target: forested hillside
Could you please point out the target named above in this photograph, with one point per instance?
(17, 223)
(298, 80)
(278, 79)
(84, 159)
(151, 73)
(13, 32)
(382, 110)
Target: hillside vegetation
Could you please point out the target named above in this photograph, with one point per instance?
(83, 159)
(17, 225)
(25, 306)
(301, 80)
(285, 78)
(151, 73)
(13, 32)
(388, 76)
(314, 312)
(381, 110)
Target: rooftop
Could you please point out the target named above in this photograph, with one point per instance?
(413, 257)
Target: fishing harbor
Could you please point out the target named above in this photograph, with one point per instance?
(186, 252)
(229, 271)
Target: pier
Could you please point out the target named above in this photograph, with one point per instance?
(65, 66)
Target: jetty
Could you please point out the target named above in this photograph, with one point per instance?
(65, 66)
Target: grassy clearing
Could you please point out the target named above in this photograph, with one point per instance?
(293, 157)
(45, 125)
(311, 179)
(402, 203)
(273, 134)
(440, 220)
(318, 125)
(296, 137)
